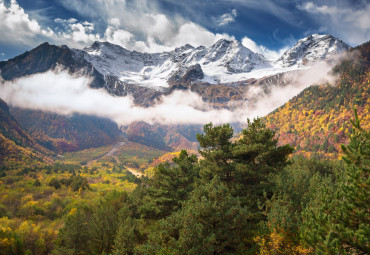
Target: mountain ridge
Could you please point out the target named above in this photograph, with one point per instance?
(148, 76)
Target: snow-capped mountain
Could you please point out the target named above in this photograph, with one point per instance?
(312, 48)
(219, 73)
(155, 70)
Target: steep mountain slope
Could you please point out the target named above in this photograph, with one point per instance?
(67, 133)
(48, 57)
(16, 146)
(317, 120)
(312, 48)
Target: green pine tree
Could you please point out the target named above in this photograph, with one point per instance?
(217, 153)
(257, 156)
(212, 221)
(170, 186)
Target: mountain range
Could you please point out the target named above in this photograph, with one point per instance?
(212, 72)
(220, 73)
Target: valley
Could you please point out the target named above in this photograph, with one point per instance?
(81, 183)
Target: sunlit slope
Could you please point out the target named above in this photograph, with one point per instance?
(316, 120)
(16, 146)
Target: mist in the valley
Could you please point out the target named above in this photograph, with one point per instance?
(62, 93)
(263, 103)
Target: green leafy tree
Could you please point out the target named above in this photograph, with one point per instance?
(79, 182)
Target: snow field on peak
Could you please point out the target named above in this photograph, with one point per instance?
(225, 61)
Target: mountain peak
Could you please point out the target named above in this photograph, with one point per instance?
(222, 43)
(312, 48)
(185, 47)
(95, 45)
(105, 48)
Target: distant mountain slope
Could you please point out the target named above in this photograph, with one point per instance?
(67, 133)
(16, 146)
(169, 138)
(317, 120)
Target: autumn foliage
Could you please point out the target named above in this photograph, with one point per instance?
(316, 121)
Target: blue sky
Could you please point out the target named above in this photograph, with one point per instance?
(265, 26)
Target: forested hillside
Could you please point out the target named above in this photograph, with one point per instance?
(316, 121)
(17, 148)
(66, 133)
(245, 196)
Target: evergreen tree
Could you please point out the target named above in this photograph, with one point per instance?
(73, 238)
(130, 234)
(104, 222)
(210, 222)
(354, 209)
(170, 186)
(338, 222)
(294, 187)
(217, 152)
(257, 156)
(246, 164)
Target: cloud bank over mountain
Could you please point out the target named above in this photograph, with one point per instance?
(59, 92)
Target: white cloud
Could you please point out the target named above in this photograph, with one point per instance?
(271, 7)
(343, 20)
(77, 34)
(269, 54)
(65, 94)
(196, 35)
(278, 95)
(134, 25)
(118, 36)
(66, 21)
(227, 18)
(324, 9)
(17, 28)
(140, 25)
